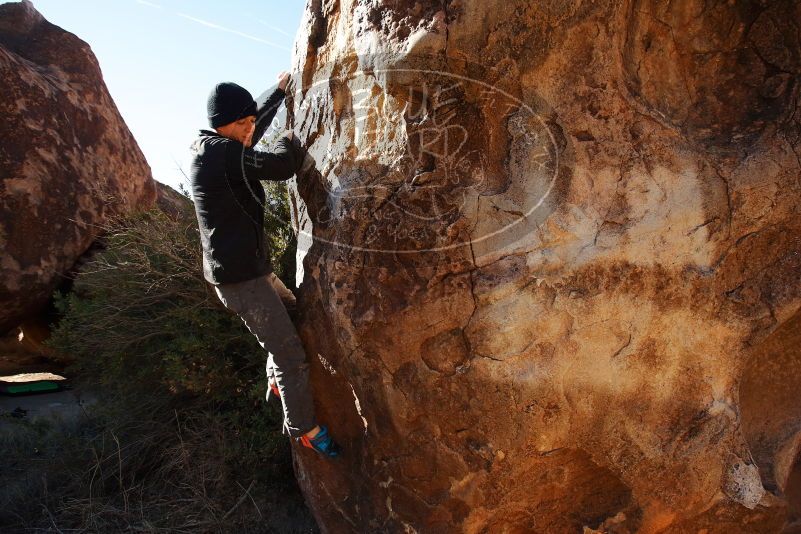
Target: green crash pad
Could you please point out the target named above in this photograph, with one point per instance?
(23, 388)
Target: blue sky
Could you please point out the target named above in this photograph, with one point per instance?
(160, 59)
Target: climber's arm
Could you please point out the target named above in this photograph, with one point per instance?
(266, 111)
(278, 165)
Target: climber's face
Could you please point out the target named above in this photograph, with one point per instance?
(240, 130)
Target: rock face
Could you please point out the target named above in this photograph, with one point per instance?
(68, 160)
(554, 277)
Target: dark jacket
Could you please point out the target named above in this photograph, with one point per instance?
(229, 200)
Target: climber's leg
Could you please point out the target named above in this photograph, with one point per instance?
(290, 303)
(284, 293)
(272, 388)
(260, 307)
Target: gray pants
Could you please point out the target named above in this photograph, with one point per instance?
(260, 304)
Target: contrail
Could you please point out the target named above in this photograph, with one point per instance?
(229, 30)
(274, 28)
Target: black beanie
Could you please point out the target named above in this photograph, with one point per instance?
(229, 102)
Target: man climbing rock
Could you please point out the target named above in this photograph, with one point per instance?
(229, 203)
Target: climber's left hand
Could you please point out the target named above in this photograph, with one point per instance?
(283, 80)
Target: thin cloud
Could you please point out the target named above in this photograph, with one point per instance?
(229, 30)
(146, 3)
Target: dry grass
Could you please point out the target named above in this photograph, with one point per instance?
(152, 468)
(180, 439)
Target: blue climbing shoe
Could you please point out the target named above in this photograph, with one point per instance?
(322, 442)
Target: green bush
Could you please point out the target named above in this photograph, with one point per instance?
(180, 437)
(280, 237)
(140, 313)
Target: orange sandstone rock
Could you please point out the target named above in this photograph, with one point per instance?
(551, 264)
(68, 160)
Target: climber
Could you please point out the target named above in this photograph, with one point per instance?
(229, 203)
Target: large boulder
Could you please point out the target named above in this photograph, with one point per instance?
(553, 283)
(67, 160)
